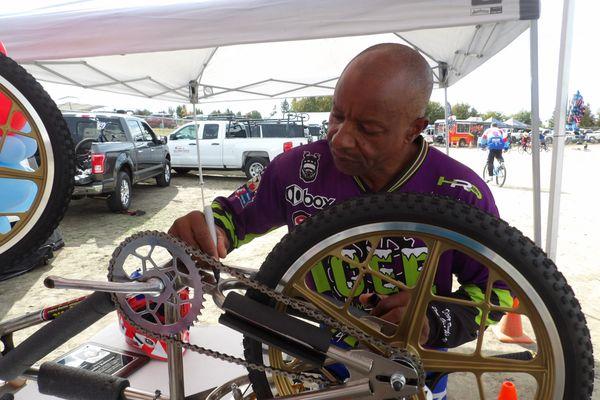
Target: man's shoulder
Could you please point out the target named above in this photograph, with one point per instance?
(450, 177)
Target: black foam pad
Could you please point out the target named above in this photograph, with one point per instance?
(54, 334)
(79, 384)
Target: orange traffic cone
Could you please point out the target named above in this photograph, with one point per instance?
(510, 328)
(508, 391)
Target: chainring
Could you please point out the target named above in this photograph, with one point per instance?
(177, 271)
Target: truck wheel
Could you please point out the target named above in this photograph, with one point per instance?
(164, 179)
(182, 171)
(462, 143)
(120, 199)
(255, 166)
(33, 199)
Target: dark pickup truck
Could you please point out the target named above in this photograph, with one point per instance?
(115, 151)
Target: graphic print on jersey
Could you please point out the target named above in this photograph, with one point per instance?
(295, 195)
(245, 194)
(467, 186)
(309, 168)
(400, 258)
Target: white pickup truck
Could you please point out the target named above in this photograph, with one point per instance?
(232, 145)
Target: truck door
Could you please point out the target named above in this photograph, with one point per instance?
(182, 146)
(210, 146)
(143, 152)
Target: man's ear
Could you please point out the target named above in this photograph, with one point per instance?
(417, 127)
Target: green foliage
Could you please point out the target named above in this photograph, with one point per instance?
(494, 114)
(142, 112)
(285, 107)
(434, 111)
(464, 111)
(312, 104)
(181, 111)
(215, 112)
(588, 120)
(523, 116)
(253, 115)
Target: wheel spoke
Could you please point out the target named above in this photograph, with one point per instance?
(411, 324)
(439, 361)
(35, 176)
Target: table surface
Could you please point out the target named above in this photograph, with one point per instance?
(200, 372)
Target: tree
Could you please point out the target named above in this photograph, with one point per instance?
(254, 115)
(495, 115)
(434, 111)
(587, 120)
(171, 111)
(215, 112)
(285, 107)
(523, 116)
(181, 111)
(142, 112)
(312, 104)
(464, 111)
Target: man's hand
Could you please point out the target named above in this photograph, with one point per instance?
(193, 230)
(392, 309)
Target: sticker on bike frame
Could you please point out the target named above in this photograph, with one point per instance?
(467, 186)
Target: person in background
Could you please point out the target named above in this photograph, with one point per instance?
(494, 139)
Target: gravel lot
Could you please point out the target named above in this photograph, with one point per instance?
(91, 233)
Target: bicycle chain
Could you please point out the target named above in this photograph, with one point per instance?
(288, 301)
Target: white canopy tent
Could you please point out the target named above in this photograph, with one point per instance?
(253, 49)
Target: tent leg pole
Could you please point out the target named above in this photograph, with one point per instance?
(559, 126)
(535, 126)
(446, 120)
(200, 176)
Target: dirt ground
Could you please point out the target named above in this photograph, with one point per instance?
(91, 233)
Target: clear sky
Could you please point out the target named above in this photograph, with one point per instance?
(501, 84)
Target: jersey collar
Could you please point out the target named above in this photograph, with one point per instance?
(405, 174)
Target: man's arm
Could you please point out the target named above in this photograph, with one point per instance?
(250, 211)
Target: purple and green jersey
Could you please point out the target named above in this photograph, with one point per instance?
(301, 182)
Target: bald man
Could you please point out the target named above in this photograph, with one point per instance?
(373, 145)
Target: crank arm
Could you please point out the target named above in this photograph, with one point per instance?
(152, 286)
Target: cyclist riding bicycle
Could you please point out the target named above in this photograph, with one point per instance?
(495, 140)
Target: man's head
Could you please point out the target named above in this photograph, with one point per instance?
(378, 110)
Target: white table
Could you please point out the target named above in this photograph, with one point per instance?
(201, 372)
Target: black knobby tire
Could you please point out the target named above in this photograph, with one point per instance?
(164, 179)
(491, 232)
(182, 171)
(252, 166)
(462, 143)
(115, 201)
(63, 167)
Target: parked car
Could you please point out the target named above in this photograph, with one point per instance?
(594, 137)
(232, 145)
(113, 152)
(161, 121)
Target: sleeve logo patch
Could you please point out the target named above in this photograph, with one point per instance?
(309, 167)
(245, 194)
(295, 195)
(467, 186)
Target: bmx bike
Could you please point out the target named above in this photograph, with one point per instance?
(36, 166)
(499, 173)
(296, 327)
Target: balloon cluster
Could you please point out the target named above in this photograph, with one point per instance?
(576, 110)
(17, 194)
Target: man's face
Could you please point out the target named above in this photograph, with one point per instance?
(368, 128)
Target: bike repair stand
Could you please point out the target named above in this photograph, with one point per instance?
(175, 357)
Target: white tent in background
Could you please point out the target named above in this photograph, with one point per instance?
(513, 123)
(251, 49)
